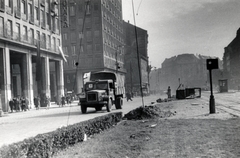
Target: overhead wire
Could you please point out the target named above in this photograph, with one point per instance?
(78, 56)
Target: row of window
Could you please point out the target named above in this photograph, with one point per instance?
(44, 14)
(115, 3)
(21, 33)
(89, 49)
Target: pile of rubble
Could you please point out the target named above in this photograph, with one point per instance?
(147, 112)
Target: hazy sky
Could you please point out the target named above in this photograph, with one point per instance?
(185, 26)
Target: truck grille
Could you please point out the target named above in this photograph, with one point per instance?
(92, 97)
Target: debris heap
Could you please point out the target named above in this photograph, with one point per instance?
(147, 112)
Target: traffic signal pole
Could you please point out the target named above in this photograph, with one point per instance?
(212, 100)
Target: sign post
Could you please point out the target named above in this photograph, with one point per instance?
(211, 64)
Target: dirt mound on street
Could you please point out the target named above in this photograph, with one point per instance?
(147, 112)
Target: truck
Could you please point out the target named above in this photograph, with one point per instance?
(101, 89)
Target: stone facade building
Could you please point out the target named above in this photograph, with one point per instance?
(30, 61)
(92, 39)
(231, 62)
(186, 69)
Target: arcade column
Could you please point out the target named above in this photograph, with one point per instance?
(27, 78)
(45, 76)
(5, 79)
(59, 79)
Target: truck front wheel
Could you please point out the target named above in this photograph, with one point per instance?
(109, 105)
(119, 103)
(83, 109)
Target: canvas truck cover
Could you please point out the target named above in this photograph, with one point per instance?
(117, 78)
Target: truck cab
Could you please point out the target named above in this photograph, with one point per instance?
(101, 90)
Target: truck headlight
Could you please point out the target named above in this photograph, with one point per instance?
(101, 96)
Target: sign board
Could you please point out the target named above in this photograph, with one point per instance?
(212, 64)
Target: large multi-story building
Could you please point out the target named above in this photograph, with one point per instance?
(188, 70)
(92, 39)
(30, 60)
(231, 62)
(136, 58)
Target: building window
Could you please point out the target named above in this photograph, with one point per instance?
(80, 21)
(54, 44)
(17, 27)
(72, 10)
(24, 33)
(65, 36)
(42, 17)
(31, 36)
(88, 7)
(73, 50)
(9, 29)
(89, 48)
(43, 40)
(88, 23)
(48, 42)
(80, 35)
(23, 7)
(1, 26)
(65, 50)
(96, 33)
(73, 37)
(81, 49)
(97, 47)
(89, 35)
(36, 13)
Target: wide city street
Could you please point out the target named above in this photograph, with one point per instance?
(18, 126)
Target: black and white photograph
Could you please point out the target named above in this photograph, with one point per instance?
(119, 78)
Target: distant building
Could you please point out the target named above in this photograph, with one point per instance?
(188, 70)
(92, 39)
(231, 62)
(29, 43)
(131, 58)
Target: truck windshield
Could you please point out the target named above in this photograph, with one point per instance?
(92, 86)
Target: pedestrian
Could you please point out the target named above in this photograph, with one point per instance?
(17, 104)
(128, 95)
(27, 103)
(48, 102)
(23, 104)
(11, 104)
(169, 92)
(36, 102)
(63, 101)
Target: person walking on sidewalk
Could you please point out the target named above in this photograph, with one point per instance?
(128, 95)
(11, 104)
(48, 102)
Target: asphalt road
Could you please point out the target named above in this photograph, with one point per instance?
(17, 126)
